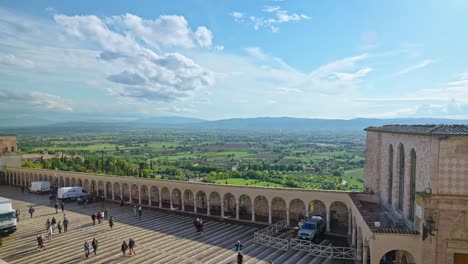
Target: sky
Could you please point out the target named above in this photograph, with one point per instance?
(117, 60)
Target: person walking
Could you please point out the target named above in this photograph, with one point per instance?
(99, 217)
(47, 224)
(106, 213)
(65, 223)
(18, 213)
(121, 203)
(240, 258)
(59, 227)
(135, 209)
(56, 207)
(124, 247)
(238, 246)
(200, 224)
(139, 210)
(22, 189)
(111, 222)
(196, 223)
(40, 242)
(53, 222)
(86, 249)
(62, 206)
(94, 243)
(93, 217)
(31, 211)
(131, 246)
(50, 232)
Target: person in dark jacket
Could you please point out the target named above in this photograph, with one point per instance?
(40, 242)
(65, 223)
(86, 249)
(238, 246)
(131, 246)
(240, 258)
(94, 243)
(111, 222)
(121, 203)
(62, 206)
(56, 207)
(124, 247)
(18, 213)
(31, 211)
(93, 217)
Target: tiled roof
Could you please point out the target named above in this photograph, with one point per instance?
(430, 130)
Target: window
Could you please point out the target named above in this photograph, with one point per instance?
(401, 179)
(412, 185)
(390, 174)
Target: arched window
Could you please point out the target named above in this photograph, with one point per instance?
(401, 179)
(412, 193)
(390, 174)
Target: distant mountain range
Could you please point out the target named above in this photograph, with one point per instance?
(268, 124)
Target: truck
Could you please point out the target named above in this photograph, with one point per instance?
(39, 187)
(312, 228)
(71, 193)
(7, 217)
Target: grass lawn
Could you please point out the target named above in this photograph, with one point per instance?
(352, 177)
(236, 181)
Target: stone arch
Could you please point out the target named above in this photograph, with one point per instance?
(73, 182)
(67, 182)
(93, 186)
(188, 200)
(154, 191)
(56, 182)
(125, 193)
(165, 198)
(229, 201)
(215, 204)
(144, 194)
(245, 207)
(201, 202)
(176, 199)
(297, 211)
(86, 185)
(278, 209)
(317, 207)
(117, 191)
(397, 256)
(261, 208)
(79, 182)
(135, 193)
(109, 190)
(101, 188)
(339, 218)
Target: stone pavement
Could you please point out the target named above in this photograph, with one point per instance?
(161, 237)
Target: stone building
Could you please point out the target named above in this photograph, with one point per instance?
(7, 143)
(414, 208)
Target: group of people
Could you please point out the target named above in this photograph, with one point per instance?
(130, 246)
(137, 208)
(94, 244)
(100, 216)
(51, 225)
(198, 223)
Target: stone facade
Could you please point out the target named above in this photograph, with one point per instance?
(7, 144)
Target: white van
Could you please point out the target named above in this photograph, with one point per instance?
(40, 186)
(7, 217)
(71, 193)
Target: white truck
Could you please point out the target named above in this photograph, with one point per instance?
(39, 187)
(7, 217)
(71, 193)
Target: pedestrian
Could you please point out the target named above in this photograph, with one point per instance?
(240, 258)
(31, 211)
(200, 224)
(53, 222)
(106, 213)
(99, 216)
(93, 217)
(111, 222)
(86, 249)
(94, 243)
(65, 223)
(121, 203)
(40, 242)
(196, 223)
(56, 207)
(51, 197)
(139, 210)
(238, 246)
(131, 246)
(22, 189)
(59, 227)
(135, 210)
(47, 224)
(62, 206)
(18, 213)
(124, 247)
(50, 232)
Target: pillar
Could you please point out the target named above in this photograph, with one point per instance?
(222, 208)
(269, 215)
(208, 207)
(349, 222)
(121, 193)
(237, 210)
(353, 236)
(253, 212)
(170, 200)
(328, 220)
(195, 204)
(139, 194)
(307, 213)
(149, 197)
(359, 250)
(113, 195)
(287, 216)
(365, 251)
(182, 199)
(160, 198)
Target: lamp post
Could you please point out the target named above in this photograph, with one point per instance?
(428, 228)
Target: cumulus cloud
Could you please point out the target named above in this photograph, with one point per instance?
(38, 100)
(145, 75)
(417, 66)
(275, 16)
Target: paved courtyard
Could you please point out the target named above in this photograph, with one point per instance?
(161, 237)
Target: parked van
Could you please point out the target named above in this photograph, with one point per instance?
(7, 217)
(71, 193)
(312, 228)
(40, 187)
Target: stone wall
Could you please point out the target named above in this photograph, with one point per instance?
(453, 166)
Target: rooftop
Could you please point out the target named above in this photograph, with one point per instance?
(428, 130)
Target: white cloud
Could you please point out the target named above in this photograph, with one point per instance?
(276, 17)
(203, 37)
(12, 60)
(352, 76)
(256, 52)
(287, 90)
(36, 100)
(417, 66)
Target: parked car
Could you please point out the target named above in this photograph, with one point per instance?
(312, 228)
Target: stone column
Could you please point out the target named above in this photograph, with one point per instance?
(349, 222)
(328, 220)
(222, 208)
(182, 199)
(237, 210)
(195, 204)
(121, 193)
(359, 250)
(170, 200)
(149, 197)
(113, 195)
(208, 211)
(269, 215)
(365, 248)
(307, 214)
(139, 194)
(353, 237)
(253, 213)
(160, 198)
(287, 216)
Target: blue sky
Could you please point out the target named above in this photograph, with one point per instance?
(69, 60)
